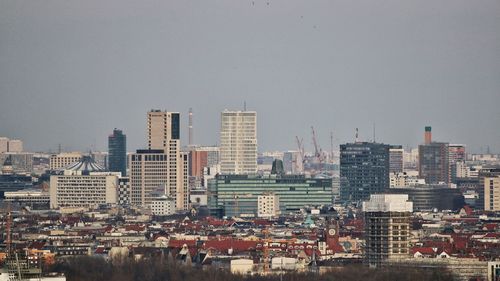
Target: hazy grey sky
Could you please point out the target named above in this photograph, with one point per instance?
(71, 71)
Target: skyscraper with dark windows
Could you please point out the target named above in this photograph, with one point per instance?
(364, 170)
(117, 148)
(433, 160)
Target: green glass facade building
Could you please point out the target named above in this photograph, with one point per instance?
(236, 195)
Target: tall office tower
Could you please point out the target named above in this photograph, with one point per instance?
(492, 194)
(433, 160)
(238, 142)
(484, 173)
(457, 157)
(387, 227)
(163, 130)
(163, 162)
(364, 170)
(117, 149)
(396, 163)
(433, 164)
(4, 144)
(149, 172)
(15, 146)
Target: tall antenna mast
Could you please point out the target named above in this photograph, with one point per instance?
(190, 127)
(244, 105)
(374, 132)
(357, 139)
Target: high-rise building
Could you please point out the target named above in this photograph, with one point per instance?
(162, 164)
(433, 164)
(396, 163)
(15, 146)
(456, 153)
(483, 173)
(117, 149)
(492, 194)
(387, 227)
(433, 160)
(149, 171)
(4, 144)
(293, 162)
(163, 130)
(364, 170)
(238, 142)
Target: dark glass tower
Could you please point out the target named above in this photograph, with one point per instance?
(117, 147)
(364, 170)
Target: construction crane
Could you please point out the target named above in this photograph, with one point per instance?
(317, 150)
(300, 145)
(331, 147)
(8, 231)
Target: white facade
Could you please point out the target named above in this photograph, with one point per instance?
(27, 196)
(409, 178)
(238, 142)
(268, 205)
(15, 146)
(163, 206)
(388, 203)
(76, 190)
(61, 160)
(164, 134)
(492, 194)
(4, 144)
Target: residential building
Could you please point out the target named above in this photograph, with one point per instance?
(364, 170)
(117, 150)
(387, 227)
(238, 142)
(268, 205)
(163, 206)
(492, 194)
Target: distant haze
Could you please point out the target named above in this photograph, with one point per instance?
(71, 71)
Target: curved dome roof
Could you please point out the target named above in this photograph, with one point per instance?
(86, 165)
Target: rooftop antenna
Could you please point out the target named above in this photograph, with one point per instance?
(190, 126)
(357, 139)
(374, 132)
(244, 105)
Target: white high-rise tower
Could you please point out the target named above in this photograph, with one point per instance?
(238, 142)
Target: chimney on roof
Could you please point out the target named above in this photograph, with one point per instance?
(428, 135)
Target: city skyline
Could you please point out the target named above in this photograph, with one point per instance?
(336, 66)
